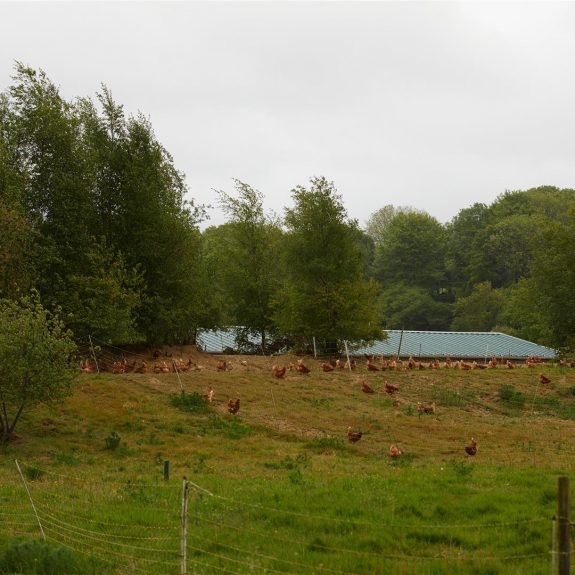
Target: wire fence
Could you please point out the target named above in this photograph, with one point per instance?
(131, 527)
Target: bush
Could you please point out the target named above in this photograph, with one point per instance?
(190, 402)
(41, 558)
(510, 396)
(113, 441)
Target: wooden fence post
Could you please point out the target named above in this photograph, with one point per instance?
(564, 526)
(166, 470)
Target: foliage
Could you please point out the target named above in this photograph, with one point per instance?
(36, 360)
(113, 441)
(412, 307)
(245, 260)
(478, 311)
(413, 252)
(191, 402)
(324, 294)
(72, 172)
(554, 281)
(104, 300)
(42, 558)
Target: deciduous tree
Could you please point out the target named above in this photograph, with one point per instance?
(36, 360)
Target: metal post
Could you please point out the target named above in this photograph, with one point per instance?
(178, 374)
(347, 355)
(564, 526)
(31, 501)
(314, 348)
(94, 354)
(399, 347)
(184, 529)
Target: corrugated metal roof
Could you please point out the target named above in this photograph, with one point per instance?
(469, 344)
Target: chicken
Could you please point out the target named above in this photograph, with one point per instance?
(353, 436)
(543, 379)
(339, 364)
(478, 365)
(426, 407)
(279, 372)
(164, 367)
(326, 367)
(366, 388)
(394, 451)
(234, 406)
(371, 366)
(350, 364)
(130, 367)
(471, 449)
(209, 395)
(222, 365)
(118, 367)
(142, 368)
(390, 389)
(156, 354)
(301, 367)
(87, 366)
(509, 365)
(464, 365)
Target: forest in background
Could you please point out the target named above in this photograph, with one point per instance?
(94, 217)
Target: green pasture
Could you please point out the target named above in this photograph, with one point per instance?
(277, 488)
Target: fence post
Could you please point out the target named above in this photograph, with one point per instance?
(31, 500)
(564, 526)
(184, 526)
(166, 470)
(554, 546)
(347, 355)
(314, 348)
(94, 354)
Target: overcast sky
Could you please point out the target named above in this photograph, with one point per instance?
(435, 105)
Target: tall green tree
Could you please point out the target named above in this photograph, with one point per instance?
(248, 260)
(479, 311)
(413, 252)
(36, 360)
(324, 293)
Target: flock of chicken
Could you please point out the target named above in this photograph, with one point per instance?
(371, 364)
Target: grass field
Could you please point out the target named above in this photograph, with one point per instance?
(278, 488)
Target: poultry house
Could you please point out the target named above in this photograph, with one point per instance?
(353, 436)
(234, 406)
(394, 451)
(471, 449)
(366, 388)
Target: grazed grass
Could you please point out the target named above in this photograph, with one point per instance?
(290, 494)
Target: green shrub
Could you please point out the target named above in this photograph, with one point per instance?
(41, 558)
(510, 396)
(113, 441)
(190, 402)
(32, 473)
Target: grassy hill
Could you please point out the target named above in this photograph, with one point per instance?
(278, 488)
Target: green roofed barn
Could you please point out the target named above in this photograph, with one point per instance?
(424, 344)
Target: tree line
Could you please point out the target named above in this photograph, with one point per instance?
(94, 217)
